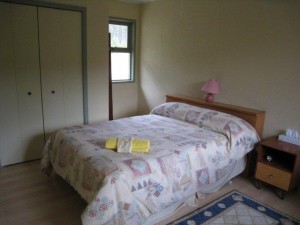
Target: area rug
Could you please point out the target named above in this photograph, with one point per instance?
(236, 208)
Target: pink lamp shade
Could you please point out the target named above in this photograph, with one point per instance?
(211, 87)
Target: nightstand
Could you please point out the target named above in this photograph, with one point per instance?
(281, 168)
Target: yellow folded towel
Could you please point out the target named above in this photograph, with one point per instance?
(126, 145)
(111, 143)
(140, 145)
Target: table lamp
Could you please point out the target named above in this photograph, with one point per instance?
(211, 87)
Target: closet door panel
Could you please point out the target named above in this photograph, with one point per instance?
(51, 69)
(61, 68)
(9, 99)
(27, 68)
(22, 131)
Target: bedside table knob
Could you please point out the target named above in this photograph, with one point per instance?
(271, 176)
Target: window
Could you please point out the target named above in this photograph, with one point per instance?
(122, 44)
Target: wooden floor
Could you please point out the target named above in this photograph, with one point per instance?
(29, 197)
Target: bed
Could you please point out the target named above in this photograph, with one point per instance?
(193, 150)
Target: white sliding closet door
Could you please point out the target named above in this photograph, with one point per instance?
(22, 134)
(61, 68)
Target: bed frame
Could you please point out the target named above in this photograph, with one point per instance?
(255, 117)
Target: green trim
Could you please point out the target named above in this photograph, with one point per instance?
(46, 4)
(84, 66)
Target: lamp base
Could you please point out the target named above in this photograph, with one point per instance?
(210, 98)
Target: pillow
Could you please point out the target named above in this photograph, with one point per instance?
(240, 134)
(171, 110)
(185, 112)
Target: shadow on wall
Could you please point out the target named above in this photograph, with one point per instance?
(145, 105)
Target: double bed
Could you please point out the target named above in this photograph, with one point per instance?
(194, 149)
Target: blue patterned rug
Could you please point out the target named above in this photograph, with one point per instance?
(236, 208)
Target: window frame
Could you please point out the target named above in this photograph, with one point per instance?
(130, 45)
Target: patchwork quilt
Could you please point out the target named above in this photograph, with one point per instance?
(191, 147)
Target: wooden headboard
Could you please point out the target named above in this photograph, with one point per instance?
(255, 117)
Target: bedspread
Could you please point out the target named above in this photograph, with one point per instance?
(123, 188)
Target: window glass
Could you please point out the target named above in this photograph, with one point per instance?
(120, 66)
(119, 36)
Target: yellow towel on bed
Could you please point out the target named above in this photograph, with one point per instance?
(140, 145)
(122, 145)
(111, 143)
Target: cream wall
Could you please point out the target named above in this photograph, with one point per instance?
(251, 47)
(97, 55)
(125, 95)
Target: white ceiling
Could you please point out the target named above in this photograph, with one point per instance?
(137, 1)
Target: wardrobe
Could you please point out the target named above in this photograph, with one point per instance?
(41, 69)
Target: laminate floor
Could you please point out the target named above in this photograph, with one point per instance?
(29, 197)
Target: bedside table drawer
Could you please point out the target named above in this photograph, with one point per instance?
(273, 176)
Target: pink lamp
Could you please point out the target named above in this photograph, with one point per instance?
(211, 87)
